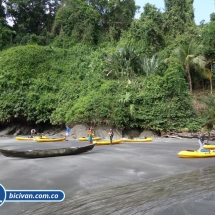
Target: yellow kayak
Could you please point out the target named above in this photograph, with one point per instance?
(107, 142)
(149, 139)
(196, 154)
(50, 139)
(209, 146)
(28, 138)
(86, 138)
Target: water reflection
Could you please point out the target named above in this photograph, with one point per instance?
(187, 193)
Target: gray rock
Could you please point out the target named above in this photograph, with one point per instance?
(148, 133)
(131, 133)
(79, 130)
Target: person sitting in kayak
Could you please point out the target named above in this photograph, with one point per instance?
(33, 132)
(202, 138)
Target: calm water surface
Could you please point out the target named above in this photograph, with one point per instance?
(190, 193)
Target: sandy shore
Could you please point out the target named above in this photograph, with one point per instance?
(102, 168)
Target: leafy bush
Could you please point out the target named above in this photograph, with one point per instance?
(46, 84)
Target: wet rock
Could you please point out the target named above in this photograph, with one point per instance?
(10, 130)
(148, 133)
(131, 133)
(79, 130)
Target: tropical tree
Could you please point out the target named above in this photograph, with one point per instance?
(149, 29)
(185, 12)
(212, 17)
(123, 63)
(2, 12)
(209, 46)
(188, 56)
(178, 16)
(209, 111)
(150, 65)
(5, 29)
(210, 56)
(114, 16)
(31, 17)
(77, 21)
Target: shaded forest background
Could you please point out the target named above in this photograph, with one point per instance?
(92, 62)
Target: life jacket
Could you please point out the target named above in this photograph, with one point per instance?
(90, 133)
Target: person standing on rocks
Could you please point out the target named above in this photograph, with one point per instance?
(111, 136)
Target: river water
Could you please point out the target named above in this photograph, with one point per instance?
(190, 193)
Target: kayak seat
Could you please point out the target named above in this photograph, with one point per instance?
(204, 150)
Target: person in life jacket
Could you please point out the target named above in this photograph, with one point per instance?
(90, 135)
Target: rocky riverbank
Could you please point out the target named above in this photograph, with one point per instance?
(80, 130)
(188, 135)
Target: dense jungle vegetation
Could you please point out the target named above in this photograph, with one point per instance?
(92, 62)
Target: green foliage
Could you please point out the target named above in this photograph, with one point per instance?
(188, 55)
(32, 17)
(150, 66)
(96, 106)
(115, 16)
(5, 36)
(164, 103)
(77, 21)
(159, 103)
(178, 26)
(92, 22)
(125, 63)
(5, 30)
(179, 16)
(212, 17)
(108, 68)
(43, 84)
(208, 35)
(210, 111)
(148, 30)
(27, 84)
